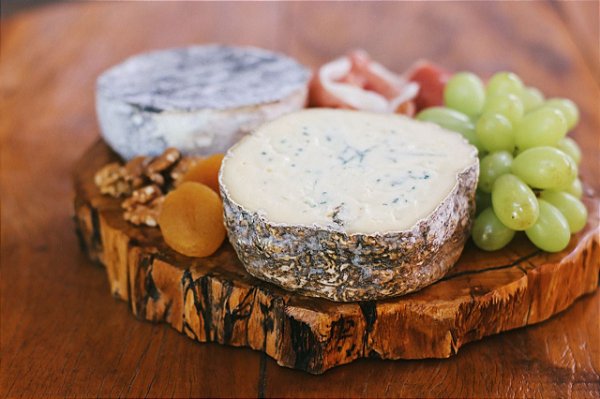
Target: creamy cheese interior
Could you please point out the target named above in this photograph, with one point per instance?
(351, 171)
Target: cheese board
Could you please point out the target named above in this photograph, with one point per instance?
(214, 299)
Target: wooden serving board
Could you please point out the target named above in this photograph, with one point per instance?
(214, 300)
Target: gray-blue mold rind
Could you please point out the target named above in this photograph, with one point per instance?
(200, 99)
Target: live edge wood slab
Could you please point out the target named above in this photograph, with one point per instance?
(215, 300)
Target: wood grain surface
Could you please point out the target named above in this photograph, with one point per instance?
(214, 299)
(61, 336)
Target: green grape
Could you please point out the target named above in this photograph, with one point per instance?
(504, 83)
(452, 120)
(544, 167)
(489, 233)
(571, 208)
(532, 98)
(568, 108)
(471, 137)
(544, 126)
(483, 200)
(508, 105)
(464, 92)
(551, 230)
(517, 152)
(514, 203)
(570, 147)
(495, 132)
(491, 167)
(575, 188)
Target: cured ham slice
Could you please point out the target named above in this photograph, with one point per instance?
(357, 82)
(432, 80)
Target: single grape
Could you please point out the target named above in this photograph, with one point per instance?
(532, 98)
(489, 233)
(464, 92)
(452, 120)
(514, 203)
(551, 230)
(543, 126)
(495, 132)
(491, 167)
(568, 108)
(571, 208)
(570, 147)
(575, 188)
(504, 83)
(544, 167)
(446, 118)
(508, 105)
(483, 200)
(471, 137)
(517, 152)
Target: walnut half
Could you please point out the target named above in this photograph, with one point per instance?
(143, 207)
(111, 180)
(143, 182)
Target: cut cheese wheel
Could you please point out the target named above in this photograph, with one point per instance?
(199, 99)
(349, 205)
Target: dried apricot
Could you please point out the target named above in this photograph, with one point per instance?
(206, 171)
(191, 220)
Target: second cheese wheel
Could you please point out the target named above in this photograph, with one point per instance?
(198, 99)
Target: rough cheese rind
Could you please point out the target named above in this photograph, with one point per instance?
(285, 232)
(200, 99)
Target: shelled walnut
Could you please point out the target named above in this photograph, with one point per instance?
(181, 169)
(158, 169)
(111, 180)
(143, 182)
(143, 206)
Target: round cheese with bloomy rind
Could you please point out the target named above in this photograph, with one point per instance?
(349, 205)
(200, 99)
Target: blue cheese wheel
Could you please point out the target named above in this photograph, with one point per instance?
(349, 205)
(199, 99)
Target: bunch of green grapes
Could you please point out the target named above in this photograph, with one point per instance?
(528, 166)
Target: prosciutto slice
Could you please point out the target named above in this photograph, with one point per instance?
(432, 80)
(358, 82)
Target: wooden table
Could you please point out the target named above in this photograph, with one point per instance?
(61, 332)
